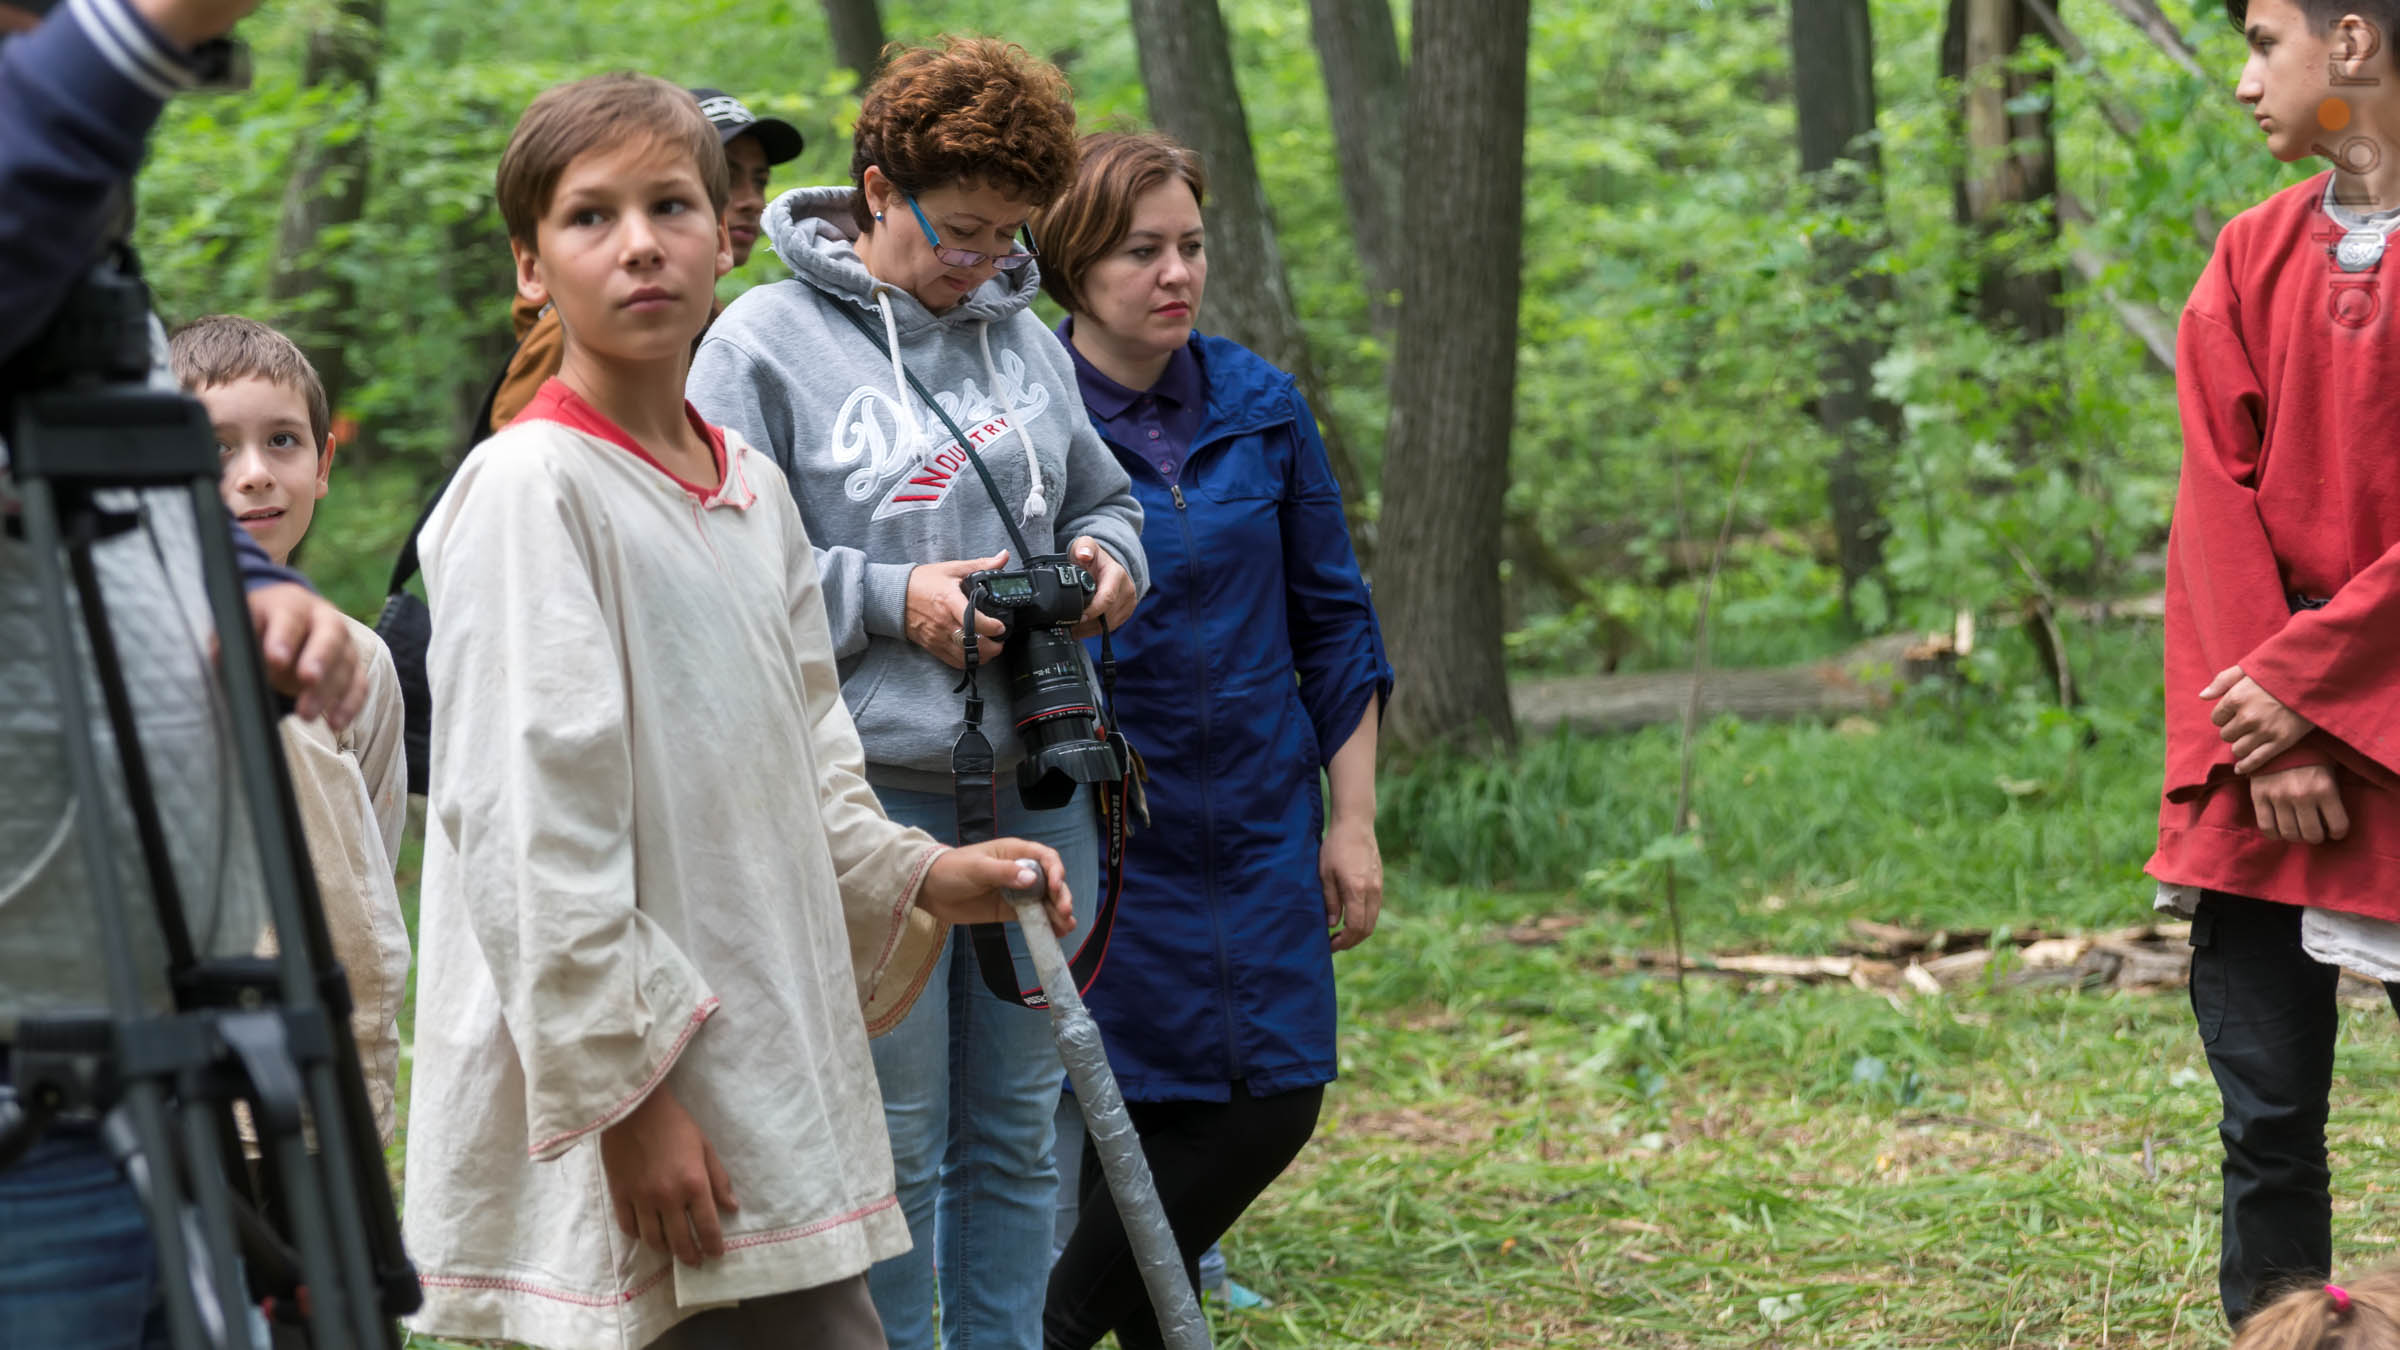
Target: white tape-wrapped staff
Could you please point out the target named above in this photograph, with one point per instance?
(1120, 1149)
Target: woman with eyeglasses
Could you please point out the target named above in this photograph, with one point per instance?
(1253, 681)
(904, 327)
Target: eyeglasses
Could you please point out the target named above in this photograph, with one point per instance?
(960, 257)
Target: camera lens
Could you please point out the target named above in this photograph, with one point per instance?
(1058, 713)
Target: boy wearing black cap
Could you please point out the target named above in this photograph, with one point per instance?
(753, 144)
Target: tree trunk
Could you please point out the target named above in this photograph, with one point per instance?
(2011, 175)
(1833, 84)
(326, 193)
(857, 28)
(1366, 92)
(1187, 69)
(1454, 375)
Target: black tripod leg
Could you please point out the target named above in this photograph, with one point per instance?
(152, 1164)
(203, 1151)
(347, 1223)
(166, 894)
(210, 1227)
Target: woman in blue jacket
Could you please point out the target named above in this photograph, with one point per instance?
(1255, 663)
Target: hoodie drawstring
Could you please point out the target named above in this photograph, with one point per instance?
(1035, 503)
(891, 333)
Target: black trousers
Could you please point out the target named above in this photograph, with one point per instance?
(1210, 1160)
(2268, 1019)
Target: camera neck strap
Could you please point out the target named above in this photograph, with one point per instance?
(975, 783)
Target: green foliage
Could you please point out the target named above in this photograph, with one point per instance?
(1972, 804)
(1672, 317)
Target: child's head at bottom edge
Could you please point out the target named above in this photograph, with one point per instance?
(274, 438)
(2357, 1314)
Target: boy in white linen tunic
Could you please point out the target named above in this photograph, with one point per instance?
(658, 890)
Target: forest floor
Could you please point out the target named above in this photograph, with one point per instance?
(1531, 1145)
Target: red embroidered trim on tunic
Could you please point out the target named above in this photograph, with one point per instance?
(555, 402)
(618, 1300)
(633, 1098)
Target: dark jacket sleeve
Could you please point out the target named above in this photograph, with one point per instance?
(251, 560)
(78, 96)
(1337, 644)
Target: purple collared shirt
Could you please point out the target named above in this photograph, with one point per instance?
(1157, 423)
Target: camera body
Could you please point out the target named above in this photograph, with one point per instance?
(1056, 705)
(1046, 592)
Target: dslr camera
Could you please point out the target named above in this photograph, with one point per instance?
(1057, 706)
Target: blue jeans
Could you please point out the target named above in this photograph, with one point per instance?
(77, 1267)
(969, 1087)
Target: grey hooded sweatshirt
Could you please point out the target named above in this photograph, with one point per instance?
(882, 486)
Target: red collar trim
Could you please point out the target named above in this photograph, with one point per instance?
(555, 402)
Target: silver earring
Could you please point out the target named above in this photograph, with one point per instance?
(879, 216)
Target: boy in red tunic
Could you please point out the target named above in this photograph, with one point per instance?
(2281, 806)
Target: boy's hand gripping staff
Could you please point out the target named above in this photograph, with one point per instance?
(1153, 1242)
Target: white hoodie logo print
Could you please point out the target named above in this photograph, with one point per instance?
(871, 427)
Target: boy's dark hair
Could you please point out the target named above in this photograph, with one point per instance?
(221, 348)
(2324, 14)
(602, 111)
(1093, 216)
(975, 110)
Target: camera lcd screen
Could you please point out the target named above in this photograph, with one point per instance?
(1009, 588)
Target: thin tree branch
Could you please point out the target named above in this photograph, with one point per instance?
(2144, 322)
(2127, 122)
(2155, 25)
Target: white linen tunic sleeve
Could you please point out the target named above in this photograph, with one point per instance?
(880, 866)
(350, 787)
(597, 1000)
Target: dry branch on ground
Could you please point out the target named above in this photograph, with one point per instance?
(1891, 959)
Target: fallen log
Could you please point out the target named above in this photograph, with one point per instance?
(1859, 680)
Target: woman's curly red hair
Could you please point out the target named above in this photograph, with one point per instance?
(974, 110)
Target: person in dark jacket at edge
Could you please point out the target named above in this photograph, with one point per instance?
(81, 84)
(1256, 661)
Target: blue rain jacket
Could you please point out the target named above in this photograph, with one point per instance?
(1246, 667)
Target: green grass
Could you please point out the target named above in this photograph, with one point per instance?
(1524, 1150)
(1527, 1148)
(1971, 805)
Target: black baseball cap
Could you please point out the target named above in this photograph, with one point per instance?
(780, 139)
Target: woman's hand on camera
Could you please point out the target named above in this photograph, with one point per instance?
(966, 884)
(937, 610)
(1115, 596)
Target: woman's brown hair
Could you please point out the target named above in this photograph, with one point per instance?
(2363, 1314)
(1093, 216)
(975, 110)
